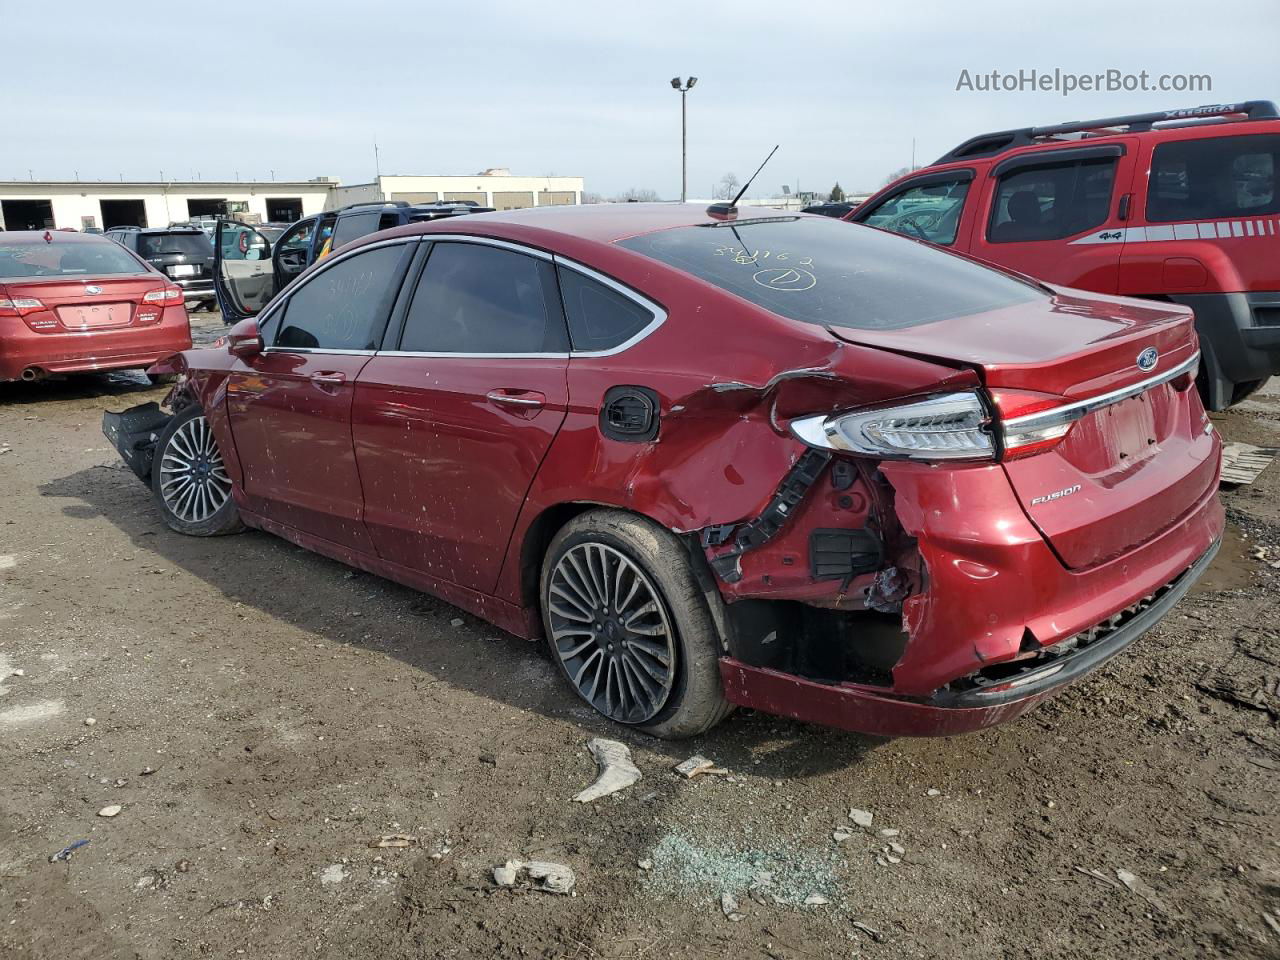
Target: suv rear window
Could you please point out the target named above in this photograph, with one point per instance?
(1217, 177)
(184, 244)
(832, 273)
(354, 226)
(99, 259)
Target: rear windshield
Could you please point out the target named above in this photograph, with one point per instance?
(1217, 177)
(104, 258)
(185, 244)
(832, 273)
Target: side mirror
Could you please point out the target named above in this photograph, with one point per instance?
(244, 340)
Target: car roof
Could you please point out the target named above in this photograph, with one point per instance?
(35, 237)
(601, 222)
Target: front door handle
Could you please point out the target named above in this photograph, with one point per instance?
(329, 377)
(524, 400)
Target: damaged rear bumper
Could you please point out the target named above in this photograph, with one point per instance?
(950, 711)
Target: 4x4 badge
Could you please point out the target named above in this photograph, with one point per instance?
(1147, 358)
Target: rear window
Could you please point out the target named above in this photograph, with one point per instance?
(183, 244)
(99, 259)
(353, 227)
(833, 273)
(1217, 177)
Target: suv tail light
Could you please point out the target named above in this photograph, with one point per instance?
(165, 295)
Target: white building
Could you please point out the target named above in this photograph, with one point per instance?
(56, 204)
(495, 188)
(35, 205)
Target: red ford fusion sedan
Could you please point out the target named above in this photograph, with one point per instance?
(715, 458)
(72, 302)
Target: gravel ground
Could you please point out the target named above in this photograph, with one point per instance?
(261, 714)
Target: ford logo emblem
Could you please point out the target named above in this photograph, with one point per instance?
(1147, 358)
(93, 288)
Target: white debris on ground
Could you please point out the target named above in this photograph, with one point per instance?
(617, 772)
(545, 876)
(332, 874)
(697, 765)
(862, 818)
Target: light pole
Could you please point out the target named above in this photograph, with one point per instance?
(684, 88)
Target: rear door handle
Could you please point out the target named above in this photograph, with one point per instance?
(529, 400)
(329, 377)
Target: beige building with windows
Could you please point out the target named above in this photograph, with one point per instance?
(495, 188)
(102, 204)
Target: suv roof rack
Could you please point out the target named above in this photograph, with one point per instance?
(379, 204)
(987, 144)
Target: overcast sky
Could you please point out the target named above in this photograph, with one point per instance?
(105, 89)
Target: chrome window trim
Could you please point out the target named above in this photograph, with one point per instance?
(472, 356)
(489, 242)
(659, 314)
(331, 261)
(1068, 413)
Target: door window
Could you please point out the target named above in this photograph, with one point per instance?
(474, 298)
(1053, 201)
(1217, 177)
(930, 211)
(352, 227)
(344, 307)
(599, 317)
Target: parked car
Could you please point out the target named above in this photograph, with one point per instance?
(72, 302)
(838, 208)
(183, 254)
(749, 458)
(263, 264)
(1178, 206)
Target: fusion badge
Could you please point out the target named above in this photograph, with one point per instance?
(1056, 495)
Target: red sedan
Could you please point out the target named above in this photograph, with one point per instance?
(716, 458)
(72, 302)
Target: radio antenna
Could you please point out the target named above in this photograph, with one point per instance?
(729, 210)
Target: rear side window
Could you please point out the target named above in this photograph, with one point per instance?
(1218, 177)
(927, 212)
(831, 273)
(344, 307)
(353, 227)
(599, 317)
(183, 244)
(474, 298)
(96, 259)
(1051, 202)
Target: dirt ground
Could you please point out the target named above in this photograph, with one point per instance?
(261, 714)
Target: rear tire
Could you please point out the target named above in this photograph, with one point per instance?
(628, 627)
(189, 478)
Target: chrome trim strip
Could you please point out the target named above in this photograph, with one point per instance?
(1068, 413)
(471, 356)
(337, 353)
(659, 314)
(489, 242)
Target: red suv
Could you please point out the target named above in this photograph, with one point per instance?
(716, 458)
(1181, 206)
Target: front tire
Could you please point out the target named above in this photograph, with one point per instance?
(189, 478)
(628, 627)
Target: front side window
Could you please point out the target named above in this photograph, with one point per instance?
(298, 238)
(1217, 177)
(599, 317)
(1052, 201)
(930, 211)
(344, 307)
(827, 272)
(474, 298)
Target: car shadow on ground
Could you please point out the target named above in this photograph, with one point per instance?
(77, 386)
(322, 598)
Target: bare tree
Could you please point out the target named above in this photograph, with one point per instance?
(900, 172)
(728, 187)
(637, 195)
(592, 198)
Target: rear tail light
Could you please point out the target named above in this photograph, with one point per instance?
(1031, 422)
(166, 295)
(20, 306)
(953, 426)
